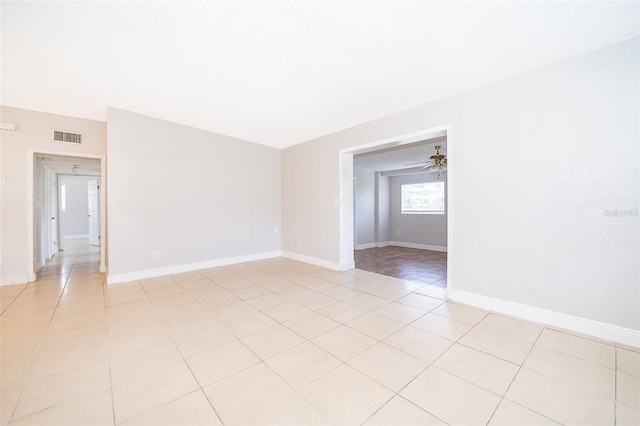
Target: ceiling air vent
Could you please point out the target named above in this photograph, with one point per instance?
(63, 136)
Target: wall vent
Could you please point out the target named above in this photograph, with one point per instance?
(62, 136)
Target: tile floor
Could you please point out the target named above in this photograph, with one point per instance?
(421, 266)
(281, 342)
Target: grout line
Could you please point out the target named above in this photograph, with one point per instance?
(108, 338)
(43, 338)
(166, 321)
(520, 367)
(615, 388)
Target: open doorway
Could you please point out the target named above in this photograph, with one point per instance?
(400, 209)
(400, 212)
(67, 213)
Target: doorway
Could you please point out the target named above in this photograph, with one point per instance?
(79, 208)
(433, 136)
(67, 207)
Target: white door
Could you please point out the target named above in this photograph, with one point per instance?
(53, 211)
(94, 212)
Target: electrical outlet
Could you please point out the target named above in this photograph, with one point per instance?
(276, 230)
(399, 231)
(156, 255)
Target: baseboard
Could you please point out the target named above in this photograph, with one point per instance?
(347, 266)
(417, 246)
(366, 246)
(314, 261)
(597, 329)
(178, 269)
(40, 264)
(14, 279)
(76, 237)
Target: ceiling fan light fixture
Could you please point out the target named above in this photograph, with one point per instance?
(436, 168)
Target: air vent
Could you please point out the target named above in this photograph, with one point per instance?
(62, 136)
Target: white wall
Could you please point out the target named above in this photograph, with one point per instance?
(530, 227)
(365, 207)
(423, 229)
(192, 195)
(74, 220)
(40, 216)
(33, 132)
(384, 219)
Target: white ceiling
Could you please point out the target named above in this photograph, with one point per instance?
(64, 165)
(281, 73)
(400, 156)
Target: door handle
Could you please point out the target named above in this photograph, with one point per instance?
(52, 218)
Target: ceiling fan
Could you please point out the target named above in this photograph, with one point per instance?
(436, 163)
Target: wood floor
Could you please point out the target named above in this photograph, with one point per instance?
(422, 266)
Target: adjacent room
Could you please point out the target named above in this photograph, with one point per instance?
(327, 213)
(400, 215)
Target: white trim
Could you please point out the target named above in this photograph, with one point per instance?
(30, 213)
(76, 237)
(417, 246)
(401, 244)
(188, 267)
(14, 279)
(597, 329)
(347, 266)
(40, 264)
(366, 246)
(450, 203)
(313, 260)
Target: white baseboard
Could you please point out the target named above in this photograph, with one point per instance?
(597, 329)
(347, 266)
(14, 279)
(314, 261)
(366, 246)
(178, 269)
(40, 264)
(76, 237)
(417, 246)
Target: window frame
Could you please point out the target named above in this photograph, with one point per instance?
(436, 212)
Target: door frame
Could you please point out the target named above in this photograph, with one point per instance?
(51, 198)
(346, 193)
(97, 180)
(31, 161)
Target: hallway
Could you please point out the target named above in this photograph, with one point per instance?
(78, 260)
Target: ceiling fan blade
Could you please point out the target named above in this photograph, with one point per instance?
(428, 164)
(411, 164)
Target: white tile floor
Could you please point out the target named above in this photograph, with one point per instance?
(283, 342)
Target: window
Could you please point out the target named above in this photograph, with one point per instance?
(423, 198)
(63, 197)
